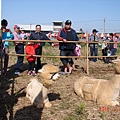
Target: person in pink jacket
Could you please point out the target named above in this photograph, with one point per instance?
(19, 49)
(115, 45)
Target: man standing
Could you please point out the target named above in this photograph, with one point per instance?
(38, 35)
(93, 46)
(67, 49)
(19, 48)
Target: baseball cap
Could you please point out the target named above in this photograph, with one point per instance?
(94, 30)
(16, 26)
(68, 22)
(114, 34)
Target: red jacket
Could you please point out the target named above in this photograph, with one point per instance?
(30, 50)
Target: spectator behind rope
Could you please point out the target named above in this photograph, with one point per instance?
(38, 35)
(115, 45)
(30, 51)
(67, 49)
(19, 48)
(6, 36)
(93, 46)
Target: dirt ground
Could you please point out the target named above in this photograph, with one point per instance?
(66, 105)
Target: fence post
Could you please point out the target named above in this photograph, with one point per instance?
(87, 50)
(85, 66)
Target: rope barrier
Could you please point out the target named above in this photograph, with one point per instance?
(86, 57)
(41, 56)
(54, 41)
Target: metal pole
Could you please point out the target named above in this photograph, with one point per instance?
(104, 25)
(30, 27)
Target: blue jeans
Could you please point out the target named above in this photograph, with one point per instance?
(93, 52)
(113, 51)
(19, 50)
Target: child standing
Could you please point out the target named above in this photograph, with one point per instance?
(104, 50)
(30, 51)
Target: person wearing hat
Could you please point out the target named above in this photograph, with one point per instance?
(93, 46)
(19, 48)
(67, 49)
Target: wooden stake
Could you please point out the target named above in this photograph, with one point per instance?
(85, 66)
(87, 50)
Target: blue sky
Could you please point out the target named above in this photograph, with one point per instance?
(85, 14)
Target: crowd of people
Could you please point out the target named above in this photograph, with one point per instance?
(109, 49)
(66, 48)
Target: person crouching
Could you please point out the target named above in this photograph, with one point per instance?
(30, 51)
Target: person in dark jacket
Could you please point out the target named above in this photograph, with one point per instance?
(67, 49)
(110, 47)
(93, 46)
(38, 35)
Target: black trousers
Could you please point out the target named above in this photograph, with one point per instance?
(39, 52)
(6, 59)
(104, 53)
(31, 66)
(65, 61)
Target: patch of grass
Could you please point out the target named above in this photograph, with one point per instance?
(15, 80)
(52, 112)
(61, 106)
(80, 109)
(72, 117)
(48, 53)
(47, 45)
(102, 115)
(65, 119)
(11, 44)
(112, 65)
